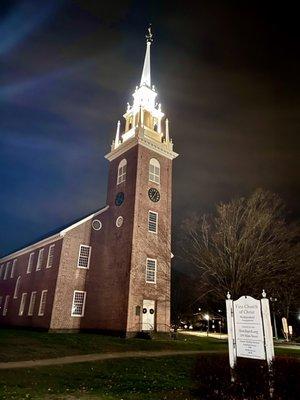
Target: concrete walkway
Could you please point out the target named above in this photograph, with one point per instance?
(99, 357)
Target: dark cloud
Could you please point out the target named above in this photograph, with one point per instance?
(227, 75)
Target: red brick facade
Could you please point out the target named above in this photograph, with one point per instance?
(105, 286)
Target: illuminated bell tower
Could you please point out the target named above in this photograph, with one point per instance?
(143, 119)
(139, 191)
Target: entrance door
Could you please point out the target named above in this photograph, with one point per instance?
(148, 319)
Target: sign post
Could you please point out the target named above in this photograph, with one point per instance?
(231, 335)
(249, 331)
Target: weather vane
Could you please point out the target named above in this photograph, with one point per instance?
(149, 35)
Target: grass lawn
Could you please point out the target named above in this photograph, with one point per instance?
(149, 379)
(128, 379)
(162, 378)
(30, 345)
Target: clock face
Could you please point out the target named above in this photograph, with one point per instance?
(119, 199)
(154, 195)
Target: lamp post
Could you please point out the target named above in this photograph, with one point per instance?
(273, 300)
(206, 316)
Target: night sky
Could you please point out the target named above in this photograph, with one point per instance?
(227, 74)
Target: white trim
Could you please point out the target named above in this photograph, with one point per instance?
(156, 176)
(31, 304)
(5, 307)
(89, 257)
(156, 225)
(52, 238)
(160, 148)
(83, 304)
(30, 263)
(99, 226)
(63, 232)
(122, 171)
(51, 248)
(119, 221)
(40, 259)
(155, 272)
(22, 304)
(13, 267)
(17, 287)
(6, 272)
(41, 312)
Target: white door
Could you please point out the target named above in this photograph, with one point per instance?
(148, 315)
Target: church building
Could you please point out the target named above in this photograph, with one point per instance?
(110, 271)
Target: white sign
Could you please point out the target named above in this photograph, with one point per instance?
(249, 328)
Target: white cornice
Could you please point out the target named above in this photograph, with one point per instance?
(160, 148)
(128, 144)
(52, 238)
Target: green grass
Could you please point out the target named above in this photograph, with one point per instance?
(130, 379)
(161, 378)
(288, 352)
(30, 345)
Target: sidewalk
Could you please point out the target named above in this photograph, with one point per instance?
(99, 357)
(280, 344)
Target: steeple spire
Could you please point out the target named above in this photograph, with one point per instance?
(144, 118)
(146, 74)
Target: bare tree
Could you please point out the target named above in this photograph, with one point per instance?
(245, 247)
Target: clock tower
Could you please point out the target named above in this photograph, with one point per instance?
(137, 249)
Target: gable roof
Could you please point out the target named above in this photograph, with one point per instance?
(51, 236)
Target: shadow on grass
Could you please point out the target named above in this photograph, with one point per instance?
(212, 379)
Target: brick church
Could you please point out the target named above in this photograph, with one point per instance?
(110, 271)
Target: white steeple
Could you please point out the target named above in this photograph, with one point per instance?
(144, 117)
(146, 74)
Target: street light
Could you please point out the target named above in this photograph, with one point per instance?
(206, 316)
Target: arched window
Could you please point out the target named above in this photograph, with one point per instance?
(122, 171)
(154, 170)
(17, 287)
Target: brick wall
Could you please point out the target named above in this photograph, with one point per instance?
(44, 279)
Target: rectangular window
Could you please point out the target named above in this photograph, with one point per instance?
(17, 287)
(6, 270)
(43, 303)
(154, 173)
(1, 270)
(30, 263)
(151, 270)
(5, 307)
(40, 260)
(152, 221)
(50, 256)
(78, 303)
(22, 304)
(84, 256)
(31, 303)
(13, 269)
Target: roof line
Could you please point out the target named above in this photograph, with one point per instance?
(51, 238)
